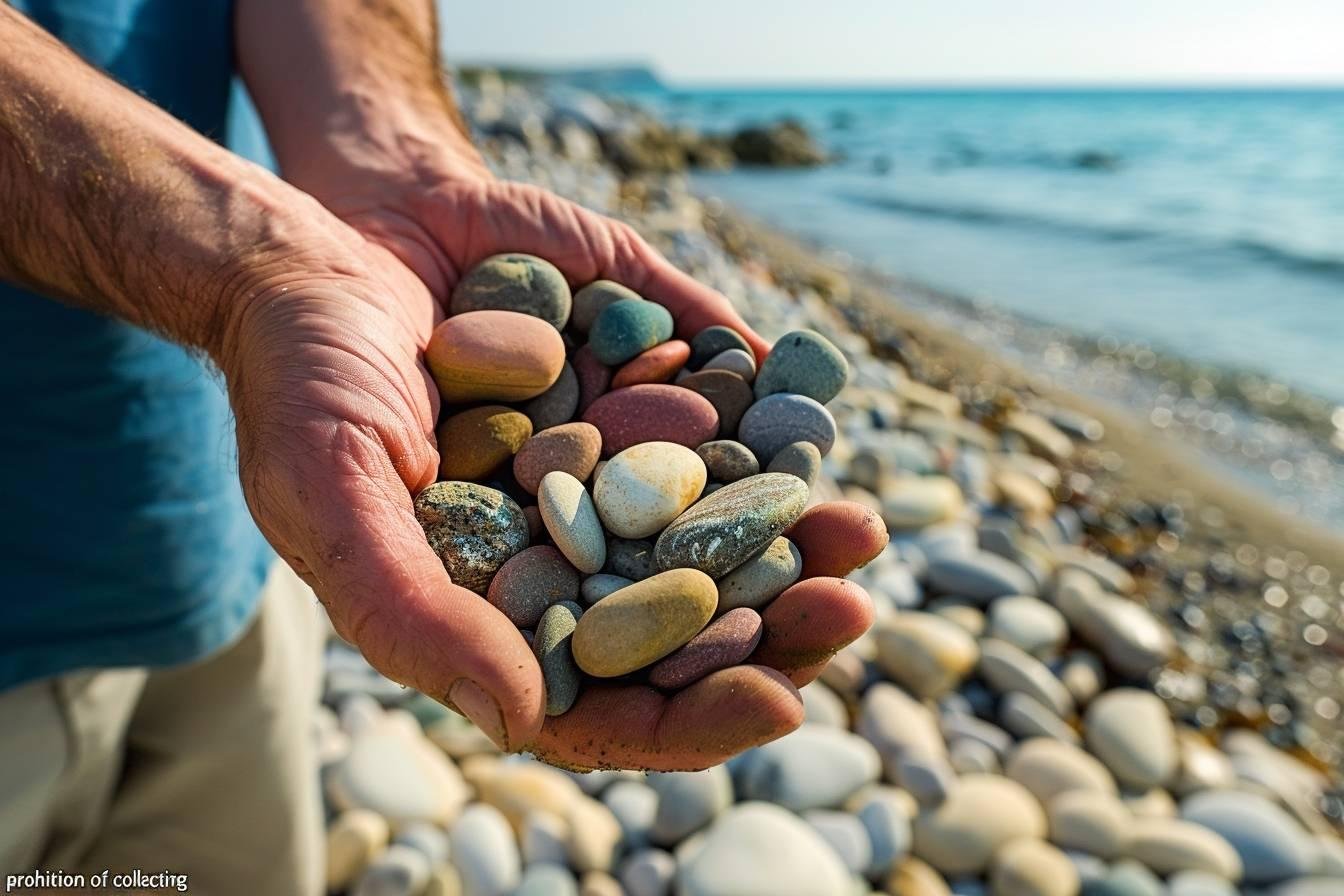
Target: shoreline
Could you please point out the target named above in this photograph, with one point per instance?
(1153, 460)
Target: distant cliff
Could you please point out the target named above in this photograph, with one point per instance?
(599, 79)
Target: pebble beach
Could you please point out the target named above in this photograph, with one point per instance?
(1095, 668)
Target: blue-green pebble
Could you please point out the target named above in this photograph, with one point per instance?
(806, 363)
(551, 643)
(624, 329)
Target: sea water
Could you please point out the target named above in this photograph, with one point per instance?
(1198, 234)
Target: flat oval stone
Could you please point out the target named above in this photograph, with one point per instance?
(594, 377)
(801, 459)
(981, 814)
(762, 578)
(647, 486)
(805, 363)
(596, 587)
(1049, 768)
(472, 528)
(734, 360)
(725, 642)
(593, 298)
(1131, 732)
(1033, 868)
(643, 623)
(530, 581)
(728, 461)
(727, 392)
(552, 646)
(777, 421)
(557, 404)
(629, 558)
(494, 356)
(652, 413)
(473, 443)
(571, 519)
(978, 575)
(514, 282)
(924, 653)
(724, 530)
(571, 447)
(712, 341)
(656, 365)
(756, 849)
(624, 329)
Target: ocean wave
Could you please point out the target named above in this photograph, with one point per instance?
(1257, 250)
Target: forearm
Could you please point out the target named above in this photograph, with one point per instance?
(112, 204)
(352, 90)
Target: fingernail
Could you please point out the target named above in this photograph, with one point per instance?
(474, 702)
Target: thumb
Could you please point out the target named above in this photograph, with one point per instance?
(389, 594)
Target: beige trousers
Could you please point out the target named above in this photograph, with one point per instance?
(205, 770)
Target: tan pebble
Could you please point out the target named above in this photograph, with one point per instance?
(647, 486)
(473, 443)
(494, 355)
(353, 839)
(1027, 867)
(925, 653)
(643, 623)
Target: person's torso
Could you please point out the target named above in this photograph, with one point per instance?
(125, 539)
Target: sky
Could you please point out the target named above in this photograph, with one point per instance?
(915, 41)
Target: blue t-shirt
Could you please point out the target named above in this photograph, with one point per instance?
(124, 538)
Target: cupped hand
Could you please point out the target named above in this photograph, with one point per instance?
(336, 421)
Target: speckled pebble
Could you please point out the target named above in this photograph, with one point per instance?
(514, 282)
(472, 528)
(724, 530)
(571, 519)
(762, 578)
(728, 461)
(712, 341)
(727, 392)
(552, 646)
(473, 443)
(571, 447)
(593, 298)
(625, 328)
(805, 363)
(725, 642)
(779, 420)
(801, 459)
(643, 623)
(530, 581)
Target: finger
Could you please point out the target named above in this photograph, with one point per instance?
(389, 594)
(810, 623)
(837, 538)
(633, 726)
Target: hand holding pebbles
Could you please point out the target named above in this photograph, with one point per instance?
(641, 537)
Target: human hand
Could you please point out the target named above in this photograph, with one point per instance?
(444, 230)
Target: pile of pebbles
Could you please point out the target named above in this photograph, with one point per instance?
(626, 511)
(1011, 726)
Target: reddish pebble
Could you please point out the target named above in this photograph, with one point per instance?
(652, 413)
(728, 392)
(572, 447)
(725, 642)
(530, 581)
(837, 538)
(594, 377)
(656, 365)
